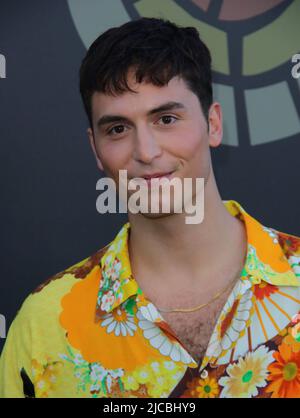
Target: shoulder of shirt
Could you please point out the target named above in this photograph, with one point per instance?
(46, 298)
(290, 244)
(77, 271)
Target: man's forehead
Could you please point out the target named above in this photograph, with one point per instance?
(145, 97)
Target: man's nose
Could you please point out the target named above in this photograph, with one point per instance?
(146, 146)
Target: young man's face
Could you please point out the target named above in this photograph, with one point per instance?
(133, 132)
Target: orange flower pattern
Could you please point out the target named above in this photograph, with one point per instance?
(284, 374)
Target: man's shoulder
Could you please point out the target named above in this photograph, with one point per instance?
(45, 300)
(78, 270)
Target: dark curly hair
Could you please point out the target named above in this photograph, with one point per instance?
(156, 49)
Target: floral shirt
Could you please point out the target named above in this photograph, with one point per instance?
(89, 331)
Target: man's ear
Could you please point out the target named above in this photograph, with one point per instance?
(92, 142)
(215, 125)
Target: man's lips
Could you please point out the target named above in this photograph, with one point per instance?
(156, 175)
(162, 176)
(149, 177)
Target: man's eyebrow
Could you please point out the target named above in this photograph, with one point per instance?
(105, 119)
(166, 106)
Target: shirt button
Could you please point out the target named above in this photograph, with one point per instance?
(204, 374)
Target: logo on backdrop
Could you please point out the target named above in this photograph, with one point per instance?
(260, 97)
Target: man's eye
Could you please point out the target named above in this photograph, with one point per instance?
(167, 119)
(115, 130)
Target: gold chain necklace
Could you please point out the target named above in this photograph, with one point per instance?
(203, 304)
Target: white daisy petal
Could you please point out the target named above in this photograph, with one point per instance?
(226, 342)
(211, 349)
(107, 321)
(237, 324)
(149, 312)
(175, 353)
(145, 325)
(111, 327)
(165, 348)
(123, 329)
(157, 341)
(233, 334)
(243, 315)
(186, 357)
(152, 333)
(117, 330)
(130, 332)
(131, 326)
(244, 305)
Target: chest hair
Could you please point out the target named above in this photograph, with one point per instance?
(194, 329)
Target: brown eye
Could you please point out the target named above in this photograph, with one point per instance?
(167, 119)
(115, 130)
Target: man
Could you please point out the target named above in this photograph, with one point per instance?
(166, 309)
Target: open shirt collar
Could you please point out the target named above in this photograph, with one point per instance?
(265, 261)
